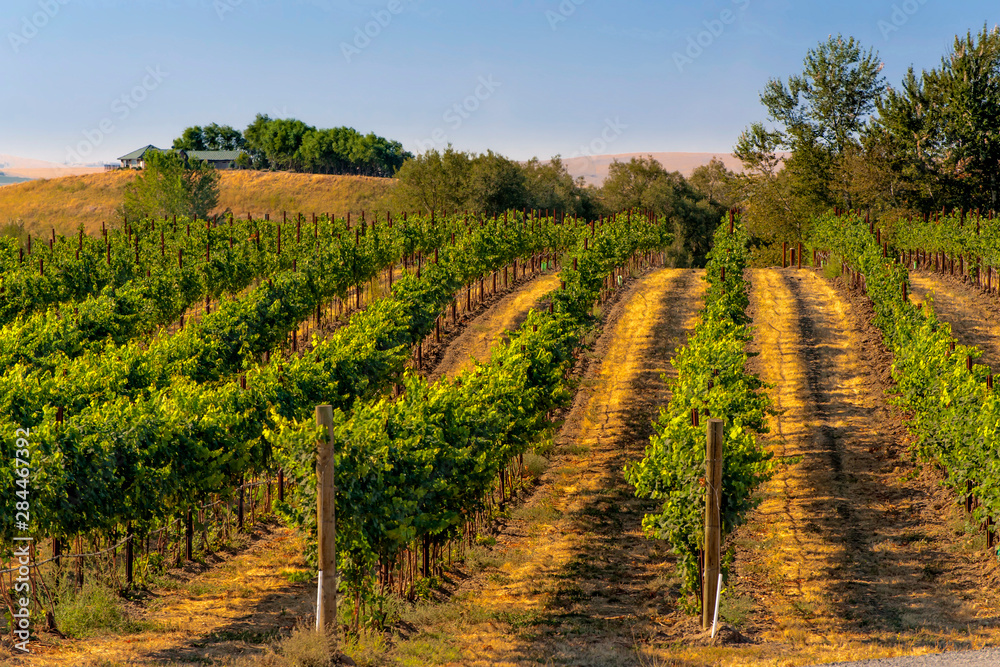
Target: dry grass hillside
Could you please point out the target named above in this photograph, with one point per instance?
(66, 202)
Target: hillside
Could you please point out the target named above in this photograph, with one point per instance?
(594, 168)
(14, 169)
(66, 202)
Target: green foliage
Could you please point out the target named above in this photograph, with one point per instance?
(818, 116)
(972, 236)
(289, 144)
(711, 378)
(150, 427)
(171, 185)
(955, 420)
(212, 137)
(418, 467)
(452, 180)
(551, 187)
(92, 611)
(496, 184)
(716, 182)
(643, 184)
(945, 126)
(826, 105)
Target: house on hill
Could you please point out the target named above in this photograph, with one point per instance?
(137, 158)
(218, 159)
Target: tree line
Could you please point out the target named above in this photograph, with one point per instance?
(446, 180)
(490, 183)
(838, 135)
(287, 144)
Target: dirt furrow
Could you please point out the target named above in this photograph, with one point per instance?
(848, 555)
(578, 582)
(973, 316)
(476, 341)
(234, 607)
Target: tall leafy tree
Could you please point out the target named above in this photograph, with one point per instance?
(817, 118)
(643, 184)
(434, 181)
(550, 186)
(274, 143)
(717, 182)
(496, 184)
(171, 185)
(946, 123)
(212, 137)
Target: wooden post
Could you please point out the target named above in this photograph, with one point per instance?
(784, 255)
(239, 510)
(129, 555)
(326, 522)
(713, 523)
(188, 537)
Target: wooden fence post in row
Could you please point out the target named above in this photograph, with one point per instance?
(713, 521)
(326, 522)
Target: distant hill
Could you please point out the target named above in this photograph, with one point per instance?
(595, 169)
(27, 168)
(66, 202)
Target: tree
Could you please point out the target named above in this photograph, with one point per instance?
(819, 117)
(275, 143)
(496, 184)
(716, 182)
(643, 184)
(171, 185)
(212, 137)
(946, 124)
(434, 181)
(550, 186)
(828, 103)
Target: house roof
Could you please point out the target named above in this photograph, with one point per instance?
(139, 153)
(221, 156)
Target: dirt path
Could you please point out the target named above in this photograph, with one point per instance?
(476, 341)
(974, 317)
(847, 557)
(237, 606)
(575, 581)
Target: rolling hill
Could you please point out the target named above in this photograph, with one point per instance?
(594, 169)
(66, 202)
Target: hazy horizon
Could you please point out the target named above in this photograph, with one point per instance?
(90, 80)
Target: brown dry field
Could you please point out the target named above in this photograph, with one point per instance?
(67, 202)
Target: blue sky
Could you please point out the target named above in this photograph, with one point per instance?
(93, 79)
